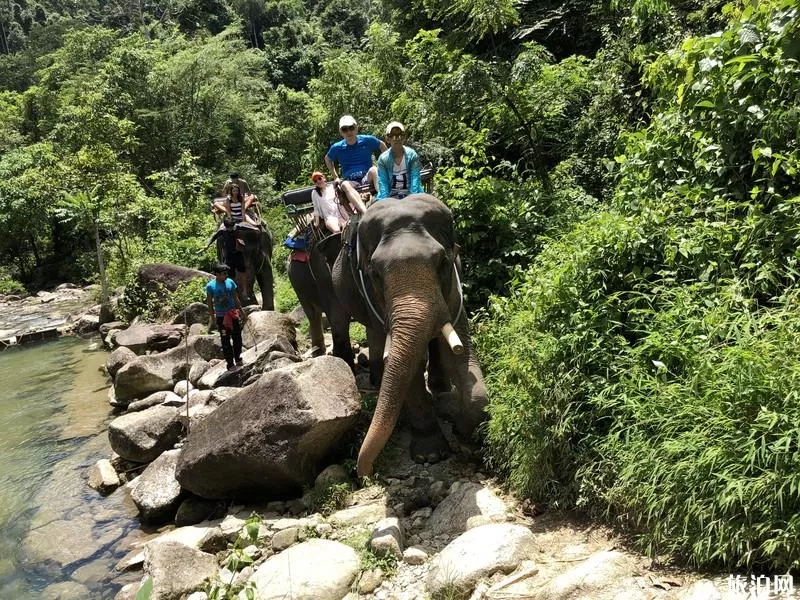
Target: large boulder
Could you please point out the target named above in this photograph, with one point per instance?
(142, 436)
(177, 569)
(259, 359)
(118, 359)
(196, 312)
(314, 570)
(263, 325)
(465, 501)
(159, 276)
(479, 553)
(156, 372)
(157, 494)
(148, 336)
(272, 436)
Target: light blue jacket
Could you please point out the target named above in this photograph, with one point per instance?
(385, 162)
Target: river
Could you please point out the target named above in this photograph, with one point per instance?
(58, 537)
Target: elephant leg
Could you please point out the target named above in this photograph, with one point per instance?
(305, 287)
(376, 339)
(428, 443)
(439, 380)
(339, 321)
(265, 283)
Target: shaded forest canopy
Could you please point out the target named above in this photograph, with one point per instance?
(623, 176)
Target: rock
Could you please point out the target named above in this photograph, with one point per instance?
(370, 581)
(66, 541)
(66, 286)
(143, 436)
(159, 276)
(183, 387)
(256, 361)
(414, 556)
(91, 573)
(87, 324)
(163, 397)
(701, 590)
(387, 538)
(331, 475)
(65, 590)
(197, 370)
(207, 346)
(263, 325)
(198, 537)
(285, 538)
(361, 514)
(194, 510)
(157, 493)
(196, 312)
(464, 501)
(197, 596)
(323, 529)
(272, 435)
(147, 336)
(177, 569)
(132, 561)
(314, 570)
(118, 359)
(479, 553)
(103, 477)
(156, 372)
(598, 572)
(107, 327)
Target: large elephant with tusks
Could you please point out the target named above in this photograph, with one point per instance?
(401, 281)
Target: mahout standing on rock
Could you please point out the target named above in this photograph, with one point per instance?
(223, 301)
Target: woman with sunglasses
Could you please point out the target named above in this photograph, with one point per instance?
(326, 209)
(399, 167)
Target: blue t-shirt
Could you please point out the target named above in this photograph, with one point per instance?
(222, 294)
(356, 159)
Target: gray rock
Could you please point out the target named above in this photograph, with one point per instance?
(361, 514)
(273, 434)
(106, 328)
(196, 312)
(66, 541)
(197, 370)
(476, 554)
(157, 493)
(177, 570)
(256, 361)
(146, 336)
(314, 570)
(263, 325)
(284, 538)
(387, 538)
(465, 500)
(157, 277)
(153, 399)
(331, 475)
(370, 581)
(414, 556)
(143, 436)
(65, 590)
(87, 324)
(183, 387)
(599, 572)
(103, 477)
(118, 359)
(701, 590)
(194, 510)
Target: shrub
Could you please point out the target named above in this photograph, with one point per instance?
(646, 366)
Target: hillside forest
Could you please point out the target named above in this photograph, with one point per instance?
(623, 175)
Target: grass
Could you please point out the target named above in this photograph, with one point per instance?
(358, 540)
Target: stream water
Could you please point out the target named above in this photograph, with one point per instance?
(58, 537)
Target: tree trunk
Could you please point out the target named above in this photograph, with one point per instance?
(105, 305)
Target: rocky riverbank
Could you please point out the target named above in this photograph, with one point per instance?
(193, 437)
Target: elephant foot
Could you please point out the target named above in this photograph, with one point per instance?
(428, 446)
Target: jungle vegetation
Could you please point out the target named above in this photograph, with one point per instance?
(623, 175)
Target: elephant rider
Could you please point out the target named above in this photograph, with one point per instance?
(399, 167)
(235, 206)
(354, 155)
(326, 206)
(232, 254)
(244, 187)
(222, 298)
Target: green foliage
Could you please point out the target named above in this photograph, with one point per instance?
(237, 560)
(653, 366)
(329, 499)
(8, 285)
(145, 590)
(358, 540)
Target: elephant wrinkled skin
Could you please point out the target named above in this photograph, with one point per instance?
(406, 257)
(257, 251)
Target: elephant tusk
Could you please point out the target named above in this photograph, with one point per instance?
(387, 345)
(452, 338)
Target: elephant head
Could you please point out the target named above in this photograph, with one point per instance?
(406, 256)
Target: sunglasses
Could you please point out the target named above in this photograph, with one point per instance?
(318, 179)
(347, 128)
(397, 134)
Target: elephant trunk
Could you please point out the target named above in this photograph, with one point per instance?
(417, 312)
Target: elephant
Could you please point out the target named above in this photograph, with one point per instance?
(257, 251)
(401, 281)
(310, 275)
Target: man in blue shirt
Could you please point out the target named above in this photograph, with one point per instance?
(223, 302)
(354, 155)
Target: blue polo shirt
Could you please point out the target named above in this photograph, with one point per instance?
(222, 294)
(356, 159)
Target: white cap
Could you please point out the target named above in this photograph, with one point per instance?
(346, 121)
(395, 125)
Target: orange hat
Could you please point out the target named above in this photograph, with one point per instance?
(316, 175)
